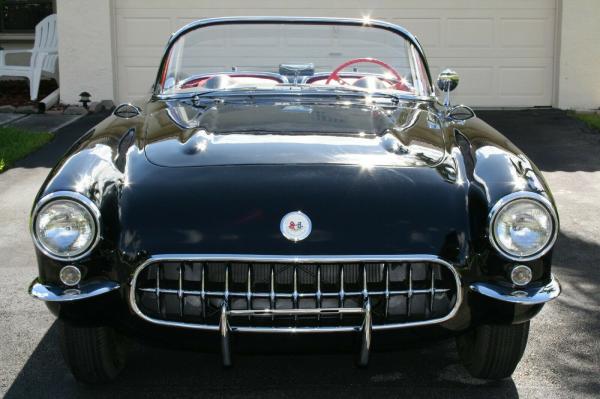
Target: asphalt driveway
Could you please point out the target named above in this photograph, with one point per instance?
(561, 360)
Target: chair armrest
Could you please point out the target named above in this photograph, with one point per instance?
(47, 52)
(16, 51)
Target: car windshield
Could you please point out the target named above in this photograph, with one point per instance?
(282, 56)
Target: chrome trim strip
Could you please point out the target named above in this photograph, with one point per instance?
(75, 197)
(52, 293)
(299, 260)
(502, 202)
(291, 312)
(523, 296)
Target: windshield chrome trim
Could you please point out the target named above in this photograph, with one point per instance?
(293, 20)
(313, 91)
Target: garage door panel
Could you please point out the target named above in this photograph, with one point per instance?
(476, 81)
(523, 81)
(524, 32)
(503, 49)
(145, 32)
(428, 30)
(470, 32)
(137, 80)
(503, 82)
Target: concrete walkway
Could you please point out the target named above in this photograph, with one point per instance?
(49, 122)
(562, 359)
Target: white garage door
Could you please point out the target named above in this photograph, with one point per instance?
(503, 49)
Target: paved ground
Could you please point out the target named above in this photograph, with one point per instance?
(48, 122)
(562, 359)
(5, 118)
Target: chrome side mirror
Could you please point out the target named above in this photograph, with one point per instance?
(446, 82)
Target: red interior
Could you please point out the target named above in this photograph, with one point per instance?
(397, 82)
(344, 78)
(200, 81)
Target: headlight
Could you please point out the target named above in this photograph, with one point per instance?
(523, 226)
(65, 225)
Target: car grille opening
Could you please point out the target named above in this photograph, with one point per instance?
(258, 294)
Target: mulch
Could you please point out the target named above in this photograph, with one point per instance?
(16, 92)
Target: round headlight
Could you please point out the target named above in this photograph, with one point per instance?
(523, 227)
(65, 228)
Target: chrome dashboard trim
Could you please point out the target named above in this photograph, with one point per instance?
(295, 259)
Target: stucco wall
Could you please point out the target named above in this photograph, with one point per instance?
(579, 62)
(85, 49)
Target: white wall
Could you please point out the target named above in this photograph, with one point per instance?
(85, 49)
(579, 63)
(504, 50)
(88, 56)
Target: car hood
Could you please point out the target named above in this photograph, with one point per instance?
(238, 210)
(180, 135)
(388, 191)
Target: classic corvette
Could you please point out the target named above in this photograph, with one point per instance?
(294, 176)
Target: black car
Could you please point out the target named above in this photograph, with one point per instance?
(295, 176)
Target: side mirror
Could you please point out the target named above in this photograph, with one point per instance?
(446, 82)
(460, 113)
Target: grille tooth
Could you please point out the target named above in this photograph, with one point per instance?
(399, 292)
(307, 279)
(239, 273)
(284, 278)
(352, 273)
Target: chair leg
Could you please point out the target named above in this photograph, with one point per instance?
(34, 84)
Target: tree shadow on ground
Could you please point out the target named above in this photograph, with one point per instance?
(572, 350)
(419, 369)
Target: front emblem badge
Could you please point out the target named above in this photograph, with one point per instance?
(295, 226)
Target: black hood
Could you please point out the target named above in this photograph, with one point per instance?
(216, 189)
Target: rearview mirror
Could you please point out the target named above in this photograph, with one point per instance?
(446, 82)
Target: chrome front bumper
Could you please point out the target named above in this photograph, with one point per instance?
(52, 293)
(526, 296)
(522, 296)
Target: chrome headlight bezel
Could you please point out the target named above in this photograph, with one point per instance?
(80, 200)
(507, 200)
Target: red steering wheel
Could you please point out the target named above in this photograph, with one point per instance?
(335, 75)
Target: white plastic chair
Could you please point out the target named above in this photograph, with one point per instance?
(44, 56)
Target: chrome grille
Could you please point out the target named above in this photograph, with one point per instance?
(282, 293)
